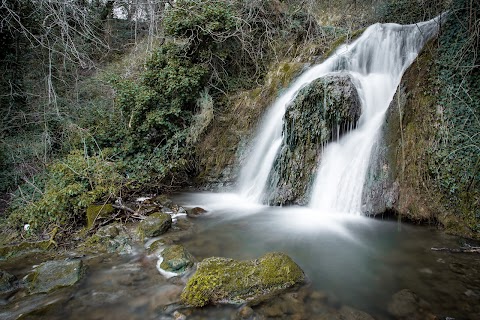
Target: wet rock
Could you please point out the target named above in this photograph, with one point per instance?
(245, 312)
(227, 281)
(110, 238)
(7, 281)
(405, 304)
(23, 247)
(322, 111)
(179, 316)
(288, 304)
(176, 259)
(52, 275)
(155, 224)
(95, 212)
(165, 295)
(195, 212)
(349, 313)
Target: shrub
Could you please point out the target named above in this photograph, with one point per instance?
(70, 185)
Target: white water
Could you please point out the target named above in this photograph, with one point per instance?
(376, 62)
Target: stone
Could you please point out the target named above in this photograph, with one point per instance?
(95, 212)
(12, 250)
(155, 225)
(227, 281)
(245, 312)
(405, 304)
(349, 313)
(179, 316)
(7, 281)
(112, 238)
(52, 275)
(195, 212)
(176, 259)
(321, 112)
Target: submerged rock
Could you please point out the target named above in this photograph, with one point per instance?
(405, 304)
(322, 111)
(155, 224)
(227, 281)
(7, 281)
(176, 259)
(52, 275)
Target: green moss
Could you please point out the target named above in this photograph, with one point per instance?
(97, 211)
(221, 280)
(154, 225)
(176, 259)
(16, 249)
(52, 275)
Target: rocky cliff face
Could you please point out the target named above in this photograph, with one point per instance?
(401, 177)
(321, 112)
(398, 177)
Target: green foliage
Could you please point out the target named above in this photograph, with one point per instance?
(200, 20)
(410, 11)
(455, 161)
(71, 184)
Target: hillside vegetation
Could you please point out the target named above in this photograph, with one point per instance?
(97, 106)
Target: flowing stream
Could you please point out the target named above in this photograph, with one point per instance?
(376, 62)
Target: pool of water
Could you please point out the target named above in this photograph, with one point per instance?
(349, 261)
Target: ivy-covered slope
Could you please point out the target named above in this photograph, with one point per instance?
(428, 164)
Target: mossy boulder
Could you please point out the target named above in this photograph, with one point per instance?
(20, 248)
(7, 281)
(176, 259)
(227, 281)
(155, 225)
(95, 212)
(322, 111)
(52, 275)
(112, 238)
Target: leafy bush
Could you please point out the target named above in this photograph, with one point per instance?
(70, 185)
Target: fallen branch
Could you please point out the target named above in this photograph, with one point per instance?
(467, 249)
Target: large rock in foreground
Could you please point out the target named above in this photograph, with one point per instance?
(322, 111)
(227, 281)
(52, 275)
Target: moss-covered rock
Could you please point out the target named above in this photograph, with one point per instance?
(176, 259)
(52, 275)
(20, 248)
(98, 211)
(155, 225)
(321, 112)
(223, 144)
(112, 238)
(227, 281)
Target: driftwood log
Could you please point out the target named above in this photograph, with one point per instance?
(465, 249)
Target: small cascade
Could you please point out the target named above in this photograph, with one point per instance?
(375, 62)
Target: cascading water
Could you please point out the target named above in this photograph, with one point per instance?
(376, 62)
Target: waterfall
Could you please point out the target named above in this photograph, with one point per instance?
(376, 62)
